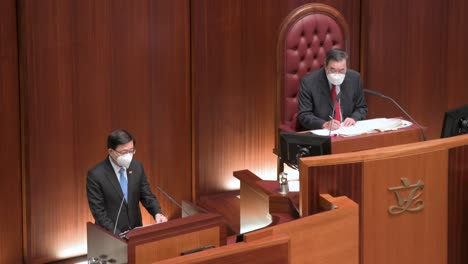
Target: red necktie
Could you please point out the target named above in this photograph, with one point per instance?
(337, 104)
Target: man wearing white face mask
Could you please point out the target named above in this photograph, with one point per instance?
(331, 96)
(116, 186)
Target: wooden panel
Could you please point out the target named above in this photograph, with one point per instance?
(272, 250)
(104, 245)
(376, 140)
(226, 204)
(254, 208)
(408, 237)
(405, 238)
(87, 68)
(173, 246)
(10, 189)
(457, 54)
(404, 52)
(177, 227)
(336, 180)
(257, 190)
(341, 173)
(157, 242)
(329, 237)
(458, 205)
(233, 82)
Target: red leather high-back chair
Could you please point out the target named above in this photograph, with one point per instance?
(305, 37)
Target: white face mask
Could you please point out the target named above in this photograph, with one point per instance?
(335, 78)
(124, 160)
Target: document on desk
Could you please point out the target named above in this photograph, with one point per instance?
(366, 127)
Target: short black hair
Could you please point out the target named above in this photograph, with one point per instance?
(119, 137)
(336, 55)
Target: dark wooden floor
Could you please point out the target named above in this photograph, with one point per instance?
(226, 204)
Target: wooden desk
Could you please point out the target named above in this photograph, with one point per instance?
(435, 234)
(327, 238)
(342, 144)
(376, 140)
(273, 249)
(331, 237)
(157, 242)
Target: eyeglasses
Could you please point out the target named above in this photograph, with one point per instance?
(125, 151)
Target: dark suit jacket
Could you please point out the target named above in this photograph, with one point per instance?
(316, 103)
(105, 196)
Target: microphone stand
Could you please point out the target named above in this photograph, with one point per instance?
(118, 214)
(401, 108)
(171, 199)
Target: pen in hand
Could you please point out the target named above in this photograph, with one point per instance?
(333, 124)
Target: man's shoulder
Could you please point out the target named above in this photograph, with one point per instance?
(100, 165)
(352, 73)
(136, 164)
(99, 168)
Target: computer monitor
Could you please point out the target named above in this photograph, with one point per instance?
(455, 122)
(298, 145)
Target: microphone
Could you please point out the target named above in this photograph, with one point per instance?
(373, 93)
(463, 123)
(303, 152)
(401, 108)
(118, 214)
(338, 96)
(463, 126)
(171, 199)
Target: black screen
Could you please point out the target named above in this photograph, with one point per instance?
(297, 145)
(455, 122)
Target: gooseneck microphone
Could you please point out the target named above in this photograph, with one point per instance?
(118, 214)
(401, 108)
(171, 199)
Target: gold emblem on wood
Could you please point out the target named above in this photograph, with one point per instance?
(412, 203)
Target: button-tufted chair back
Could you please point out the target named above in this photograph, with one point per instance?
(305, 36)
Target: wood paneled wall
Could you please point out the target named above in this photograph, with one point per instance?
(89, 67)
(194, 81)
(456, 67)
(414, 52)
(10, 187)
(234, 82)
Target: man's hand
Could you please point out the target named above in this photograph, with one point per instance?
(349, 122)
(124, 234)
(335, 124)
(160, 218)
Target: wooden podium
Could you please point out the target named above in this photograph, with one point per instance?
(329, 237)
(406, 135)
(157, 242)
(340, 144)
(412, 198)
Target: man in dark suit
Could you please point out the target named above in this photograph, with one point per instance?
(334, 84)
(117, 185)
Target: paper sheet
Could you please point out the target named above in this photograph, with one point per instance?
(366, 127)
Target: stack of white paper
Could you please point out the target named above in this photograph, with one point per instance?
(366, 127)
